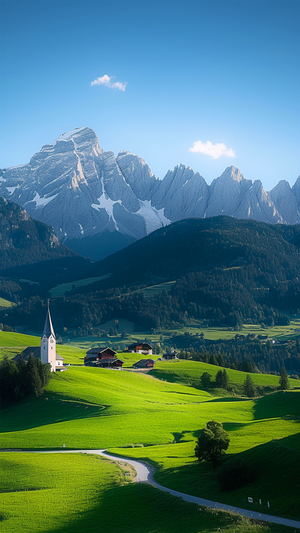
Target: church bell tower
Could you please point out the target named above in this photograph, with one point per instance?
(48, 343)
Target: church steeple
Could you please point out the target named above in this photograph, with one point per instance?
(48, 327)
(48, 342)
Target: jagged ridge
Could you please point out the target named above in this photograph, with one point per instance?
(81, 191)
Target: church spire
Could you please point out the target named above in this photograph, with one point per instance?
(48, 327)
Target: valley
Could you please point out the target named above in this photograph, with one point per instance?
(156, 420)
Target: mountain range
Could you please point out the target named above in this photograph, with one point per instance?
(98, 203)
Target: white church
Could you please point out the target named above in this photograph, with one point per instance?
(47, 351)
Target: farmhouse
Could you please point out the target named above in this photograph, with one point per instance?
(96, 354)
(102, 358)
(105, 363)
(168, 356)
(141, 347)
(144, 363)
(47, 351)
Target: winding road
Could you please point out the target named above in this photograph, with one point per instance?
(144, 475)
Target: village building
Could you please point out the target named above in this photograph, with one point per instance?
(140, 347)
(47, 351)
(144, 363)
(168, 356)
(102, 358)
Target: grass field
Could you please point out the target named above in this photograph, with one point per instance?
(78, 493)
(279, 332)
(5, 303)
(60, 290)
(149, 292)
(157, 420)
(11, 339)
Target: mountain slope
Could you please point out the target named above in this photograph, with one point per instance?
(82, 191)
(209, 244)
(225, 272)
(25, 241)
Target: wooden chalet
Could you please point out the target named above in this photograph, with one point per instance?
(168, 356)
(144, 363)
(102, 358)
(96, 354)
(105, 363)
(140, 347)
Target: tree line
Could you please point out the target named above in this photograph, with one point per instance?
(19, 379)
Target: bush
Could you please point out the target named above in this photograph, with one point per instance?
(234, 474)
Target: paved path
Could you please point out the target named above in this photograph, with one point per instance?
(144, 475)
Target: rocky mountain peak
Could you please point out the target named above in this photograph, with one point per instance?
(82, 191)
(232, 173)
(80, 140)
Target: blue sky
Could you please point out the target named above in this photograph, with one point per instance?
(218, 77)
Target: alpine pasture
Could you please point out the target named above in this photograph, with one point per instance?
(156, 418)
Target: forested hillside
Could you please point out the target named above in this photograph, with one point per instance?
(227, 272)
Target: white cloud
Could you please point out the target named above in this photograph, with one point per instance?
(213, 150)
(106, 80)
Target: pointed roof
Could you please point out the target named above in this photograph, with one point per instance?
(48, 327)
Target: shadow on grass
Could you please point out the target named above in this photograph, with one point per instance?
(165, 376)
(277, 472)
(230, 399)
(141, 508)
(278, 404)
(50, 408)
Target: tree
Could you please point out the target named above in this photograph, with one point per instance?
(225, 380)
(219, 379)
(222, 379)
(205, 380)
(212, 443)
(284, 380)
(18, 380)
(249, 387)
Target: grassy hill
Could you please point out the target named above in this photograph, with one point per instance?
(93, 494)
(140, 416)
(155, 417)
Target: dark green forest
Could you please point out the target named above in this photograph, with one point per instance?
(227, 272)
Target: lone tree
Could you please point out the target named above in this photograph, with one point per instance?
(212, 443)
(249, 387)
(284, 380)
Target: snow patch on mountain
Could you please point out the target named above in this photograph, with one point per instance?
(41, 202)
(154, 218)
(80, 190)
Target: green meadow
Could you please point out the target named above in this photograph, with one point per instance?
(281, 333)
(11, 339)
(155, 417)
(5, 303)
(61, 289)
(75, 493)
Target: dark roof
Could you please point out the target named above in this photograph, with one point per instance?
(48, 328)
(35, 351)
(99, 350)
(143, 362)
(144, 346)
(105, 362)
(30, 350)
